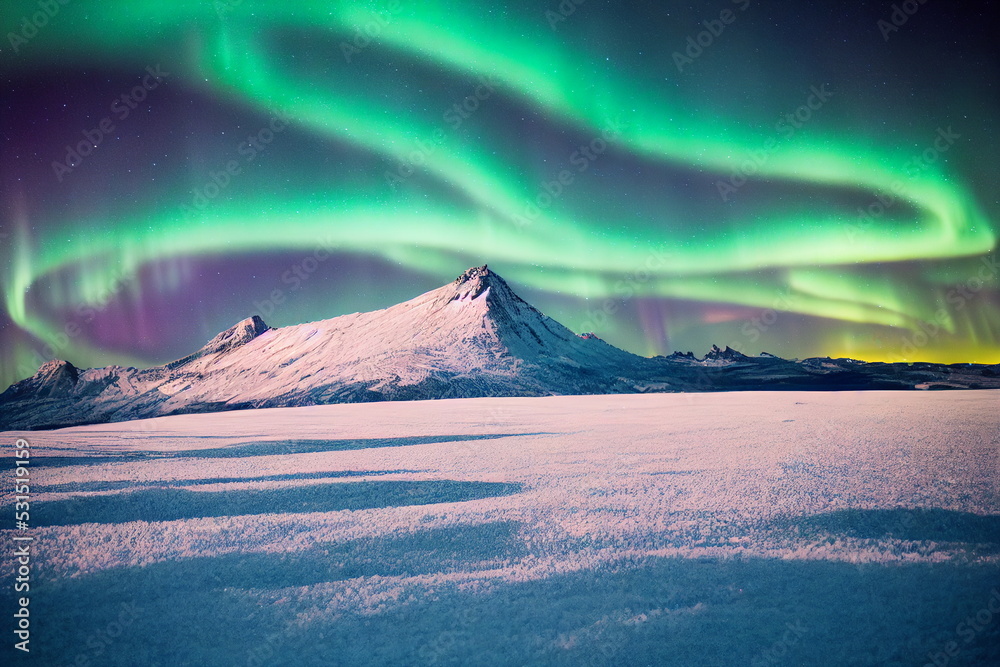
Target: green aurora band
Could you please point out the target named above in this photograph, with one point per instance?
(744, 262)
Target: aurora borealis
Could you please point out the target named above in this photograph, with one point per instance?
(792, 179)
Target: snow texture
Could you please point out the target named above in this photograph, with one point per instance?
(740, 528)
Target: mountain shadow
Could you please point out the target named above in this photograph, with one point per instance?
(174, 504)
(239, 610)
(126, 484)
(933, 524)
(264, 448)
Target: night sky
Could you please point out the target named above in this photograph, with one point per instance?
(806, 179)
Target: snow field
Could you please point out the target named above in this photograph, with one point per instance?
(671, 529)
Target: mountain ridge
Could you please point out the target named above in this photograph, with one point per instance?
(472, 337)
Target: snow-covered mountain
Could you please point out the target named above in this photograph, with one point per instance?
(473, 337)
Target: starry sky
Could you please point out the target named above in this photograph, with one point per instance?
(806, 179)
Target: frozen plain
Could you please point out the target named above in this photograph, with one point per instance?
(744, 528)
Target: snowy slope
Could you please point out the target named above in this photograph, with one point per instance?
(471, 338)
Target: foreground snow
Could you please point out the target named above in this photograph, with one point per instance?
(671, 529)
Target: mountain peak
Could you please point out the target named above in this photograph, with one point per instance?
(468, 338)
(473, 273)
(54, 378)
(57, 375)
(729, 354)
(56, 366)
(475, 281)
(479, 281)
(235, 336)
(239, 334)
